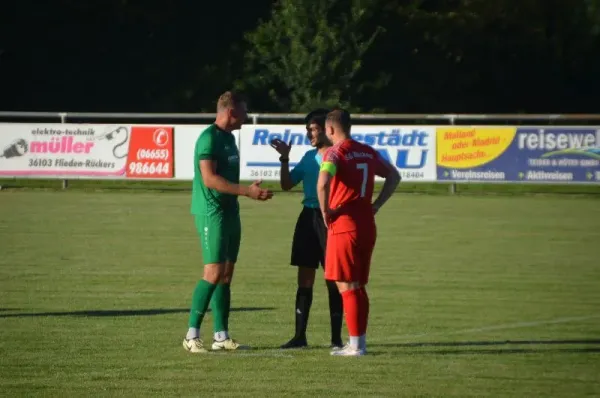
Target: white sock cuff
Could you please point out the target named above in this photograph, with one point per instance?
(193, 333)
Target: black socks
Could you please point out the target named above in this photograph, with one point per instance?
(304, 297)
(336, 312)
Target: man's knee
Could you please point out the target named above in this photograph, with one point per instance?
(306, 276)
(213, 273)
(227, 275)
(345, 286)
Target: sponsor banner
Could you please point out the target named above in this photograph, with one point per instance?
(150, 152)
(410, 148)
(524, 154)
(85, 150)
(185, 142)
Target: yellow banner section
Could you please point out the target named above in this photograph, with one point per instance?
(463, 147)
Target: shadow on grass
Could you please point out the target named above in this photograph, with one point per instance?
(487, 343)
(116, 313)
(500, 351)
(535, 347)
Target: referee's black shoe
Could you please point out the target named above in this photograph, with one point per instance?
(337, 345)
(296, 342)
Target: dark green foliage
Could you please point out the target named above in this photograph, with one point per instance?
(395, 56)
(309, 52)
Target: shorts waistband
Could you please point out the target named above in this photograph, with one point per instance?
(311, 207)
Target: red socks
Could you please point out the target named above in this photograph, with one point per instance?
(356, 309)
(351, 300)
(363, 310)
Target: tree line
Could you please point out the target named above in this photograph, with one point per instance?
(395, 56)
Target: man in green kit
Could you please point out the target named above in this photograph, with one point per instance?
(215, 207)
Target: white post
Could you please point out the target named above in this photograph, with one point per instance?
(453, 184)
(63, 120)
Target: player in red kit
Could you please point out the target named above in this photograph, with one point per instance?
(345, 191)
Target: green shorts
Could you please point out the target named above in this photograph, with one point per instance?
(220, 235)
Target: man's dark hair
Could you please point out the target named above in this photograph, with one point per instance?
(340, 117)
(317, 117)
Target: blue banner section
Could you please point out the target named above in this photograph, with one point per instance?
(527, 154)
(411, 149)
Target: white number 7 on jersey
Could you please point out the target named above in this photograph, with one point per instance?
(365, 169)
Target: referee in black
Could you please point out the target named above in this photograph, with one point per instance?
(310, 235)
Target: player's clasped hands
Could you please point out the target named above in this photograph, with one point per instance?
(257, 193)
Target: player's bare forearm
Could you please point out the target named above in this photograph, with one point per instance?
(323, 191)
(212, 180)
(220, 184)
(285, 179)
(389, 186)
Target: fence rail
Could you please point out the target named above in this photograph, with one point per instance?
(256, 117)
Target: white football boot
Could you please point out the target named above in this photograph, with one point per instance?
(349, 351)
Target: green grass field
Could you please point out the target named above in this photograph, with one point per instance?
(470, 296)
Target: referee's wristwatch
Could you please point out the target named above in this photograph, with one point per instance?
(284, 160)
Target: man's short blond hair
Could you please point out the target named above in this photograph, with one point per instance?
(228, 100)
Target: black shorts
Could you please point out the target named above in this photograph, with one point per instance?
(310, 237)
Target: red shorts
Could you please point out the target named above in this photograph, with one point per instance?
(348, 256)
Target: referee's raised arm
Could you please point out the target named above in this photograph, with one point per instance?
(285, 178)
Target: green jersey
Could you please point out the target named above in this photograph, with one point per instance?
(217, 145)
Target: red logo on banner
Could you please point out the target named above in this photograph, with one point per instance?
(150, 152)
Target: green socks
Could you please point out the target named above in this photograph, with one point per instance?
(200, 301)
(220, 305)
(218, 297)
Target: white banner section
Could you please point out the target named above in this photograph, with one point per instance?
(410, 148)
(53, 150)
(185, 143)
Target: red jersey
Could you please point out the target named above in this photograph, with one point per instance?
(353, 167)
